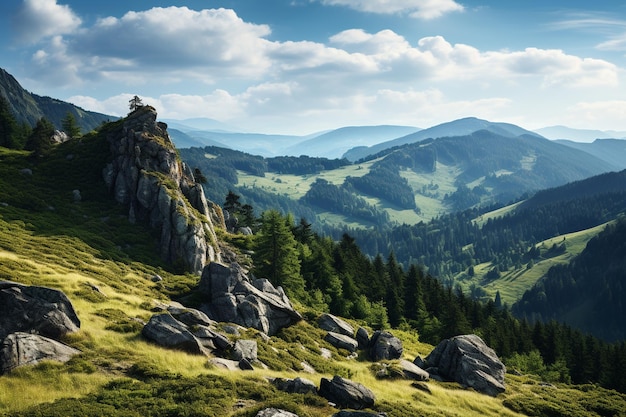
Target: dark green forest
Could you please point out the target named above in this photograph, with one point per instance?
(592, 286)
(336, 276)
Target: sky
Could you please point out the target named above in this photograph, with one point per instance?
(304, 66)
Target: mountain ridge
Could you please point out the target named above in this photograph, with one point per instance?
(29, 108)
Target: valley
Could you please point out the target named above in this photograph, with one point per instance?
(488, 234)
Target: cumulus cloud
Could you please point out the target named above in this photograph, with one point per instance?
(39, 19)
(421, 9)
(177, 37)
(611, 114)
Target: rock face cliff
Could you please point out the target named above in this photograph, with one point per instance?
(147, 175)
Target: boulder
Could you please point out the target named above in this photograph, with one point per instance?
(341, 341)
(19, 349)
(363, 338)
(334, 324)
(233, 297)
(37, 310)
(275, 412)
(469, 361)
(295, 386)
(346, 394)
(245, 349)
(225, 364)
(412, 371)
(165, 330)
(385, 346)
(190, 316)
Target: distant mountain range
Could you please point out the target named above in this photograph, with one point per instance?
(578, 135)
(461, 127)
(29, 108)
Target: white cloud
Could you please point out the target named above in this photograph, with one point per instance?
(610, 114)
(421, 9)
(39, 19)
(165, 39)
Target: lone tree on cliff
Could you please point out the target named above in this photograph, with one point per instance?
(134, 103)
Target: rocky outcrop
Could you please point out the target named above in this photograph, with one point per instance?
(30, 318)
(185, 329)
(19, 349)
(334, 324)
(346, 394)
(412, 371)
(295, 386)
(166, 331)
(40, 310)
(147, 176)
(233, 297)
(385, 346)
(469, 361)
(341, 341)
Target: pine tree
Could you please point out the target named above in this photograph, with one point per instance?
(39, 140)
(8, 125)
(276, 255)
(70, 126)
(135, 103)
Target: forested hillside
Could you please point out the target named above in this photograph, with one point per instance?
(589, 292)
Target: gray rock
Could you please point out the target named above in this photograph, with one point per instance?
(384, 345)
(245, 365)
(76, 196)
(165, 330)
(147, 176)
(469, 361)
(363, 338)
(26, 171)
(334, 324)
(295, 386)
(225, 364)
(412, 371)
(245, 349)
(275, 412)
(341, 341)
(19, 349)
(346, 394)
(38, 310)
(190, 316)
(233, 297)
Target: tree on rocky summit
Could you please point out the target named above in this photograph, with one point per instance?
(276, 255)
(135, 103)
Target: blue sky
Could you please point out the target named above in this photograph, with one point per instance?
(301, 66)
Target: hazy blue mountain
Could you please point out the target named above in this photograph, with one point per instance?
(29, 108)
(200, 124)
(252, 143)
(613, 151)
(578, 135)
(460, 127)
(183, 140)
(335, 143)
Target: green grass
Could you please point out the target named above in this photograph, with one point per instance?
(513, 283)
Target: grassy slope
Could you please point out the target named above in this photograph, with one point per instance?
(513, 283)
(90, 242)
(296, 186)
